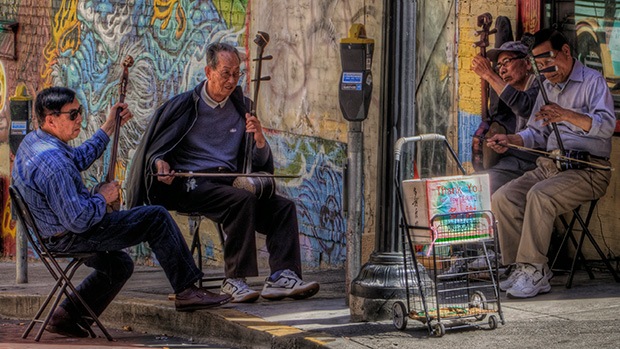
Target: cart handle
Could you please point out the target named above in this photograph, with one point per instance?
(424, 137)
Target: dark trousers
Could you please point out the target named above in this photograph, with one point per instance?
(113, 267)
(508, 168)
(241, 215)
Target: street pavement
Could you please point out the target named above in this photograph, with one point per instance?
(587, 315)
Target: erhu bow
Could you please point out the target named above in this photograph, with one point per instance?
(564, 160)
(122, 90)
(262, 186)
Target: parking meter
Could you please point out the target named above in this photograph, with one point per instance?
(356, 79)
(21, 111)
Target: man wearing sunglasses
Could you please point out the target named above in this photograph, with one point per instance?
(71, 218)
(203, 130)
(581, 107)
(517, 89)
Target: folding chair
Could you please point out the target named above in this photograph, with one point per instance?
(62, 275)
(194, 219)
(579, 244)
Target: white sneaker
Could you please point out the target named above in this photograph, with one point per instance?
(530, 282)
(239, 290)
(504, 285)
(288, 284)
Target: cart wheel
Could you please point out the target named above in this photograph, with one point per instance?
(399, 315)
(492, 322)
(478, 300)
(439, 329)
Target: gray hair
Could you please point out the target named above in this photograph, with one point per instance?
(215, 48)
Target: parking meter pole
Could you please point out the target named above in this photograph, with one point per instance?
(355, 196)
(354, 94)
(21, 109)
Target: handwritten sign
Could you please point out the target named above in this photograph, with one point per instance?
(427, 198)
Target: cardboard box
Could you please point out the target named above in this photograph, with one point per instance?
(427, 198)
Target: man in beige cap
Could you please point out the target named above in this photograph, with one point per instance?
(517, 89)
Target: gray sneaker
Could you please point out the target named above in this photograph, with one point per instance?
(239, 290)
(288, 284)
(530, 282)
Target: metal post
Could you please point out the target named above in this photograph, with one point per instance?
(380, 280)
(21, 109)
(21, 256)
(355, 194)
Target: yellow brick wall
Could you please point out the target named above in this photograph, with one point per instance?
(468, 12)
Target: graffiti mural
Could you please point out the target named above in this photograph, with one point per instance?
(85, 43)
(317, 194)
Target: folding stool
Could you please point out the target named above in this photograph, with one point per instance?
(579, 244)
(61, 275)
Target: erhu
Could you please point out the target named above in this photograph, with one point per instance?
(122, 90)
(484, 21)
(565, 159)
(263, 186)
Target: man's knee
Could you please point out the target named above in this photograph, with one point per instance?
(117, 265)
(123, 267)
(498, 198)
(245, 198)
(154, 213)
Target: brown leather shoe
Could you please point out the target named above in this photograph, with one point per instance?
(195, 298)
(63, 324)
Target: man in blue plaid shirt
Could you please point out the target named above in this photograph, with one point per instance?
(46, 173)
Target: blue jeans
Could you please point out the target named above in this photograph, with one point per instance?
(119, 230)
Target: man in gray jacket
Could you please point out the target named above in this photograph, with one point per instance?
(204, 130)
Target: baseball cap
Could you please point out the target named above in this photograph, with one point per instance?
(508, 46)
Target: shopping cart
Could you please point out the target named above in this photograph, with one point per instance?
(450, 267)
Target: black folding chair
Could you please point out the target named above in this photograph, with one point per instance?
(62, 275)
(585, 232)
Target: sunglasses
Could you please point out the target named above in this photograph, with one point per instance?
(73, 114)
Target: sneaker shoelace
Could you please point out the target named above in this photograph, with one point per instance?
(239, 284)
(531, 276)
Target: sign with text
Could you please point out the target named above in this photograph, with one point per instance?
(442, 196)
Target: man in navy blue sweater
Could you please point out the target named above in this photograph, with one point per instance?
(204, 130)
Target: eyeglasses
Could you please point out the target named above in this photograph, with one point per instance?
(507, 62)
(73, 114)
(226, 74)
(549, 56)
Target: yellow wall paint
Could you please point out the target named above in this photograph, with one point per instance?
(469, 83)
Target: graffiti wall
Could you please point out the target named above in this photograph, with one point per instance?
(82, 44)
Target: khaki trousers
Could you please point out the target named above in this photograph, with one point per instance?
(526, 207)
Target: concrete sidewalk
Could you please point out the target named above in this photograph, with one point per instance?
(585, 316)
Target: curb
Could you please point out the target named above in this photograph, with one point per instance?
(225, 324)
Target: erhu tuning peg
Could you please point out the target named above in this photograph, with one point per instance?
(261, 39)
(264, 78)
(264, 58)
